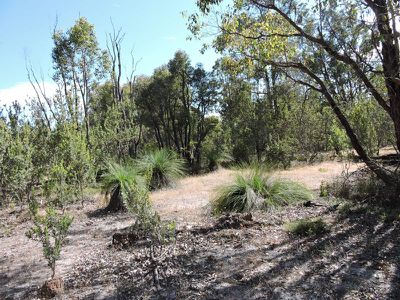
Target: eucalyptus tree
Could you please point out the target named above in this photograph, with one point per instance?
(323, 45)
(79, 64)
(175, 103)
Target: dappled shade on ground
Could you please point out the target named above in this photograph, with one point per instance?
(357, 258)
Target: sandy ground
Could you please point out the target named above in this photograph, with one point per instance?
(188, 201)
(312, 175)
(23, 269)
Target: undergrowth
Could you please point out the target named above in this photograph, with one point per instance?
(361, 185)
(306, 227)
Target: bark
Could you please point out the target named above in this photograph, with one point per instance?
(116, 203)
(390, 60)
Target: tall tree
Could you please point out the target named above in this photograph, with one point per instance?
(175, 102)
(79, 63)
(311, 42)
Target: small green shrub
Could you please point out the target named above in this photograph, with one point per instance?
(164, 166)
(51, 230)
(345, 208)
(306, 227)
(324, 189)
(256, 190)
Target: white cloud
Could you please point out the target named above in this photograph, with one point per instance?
(23, 91)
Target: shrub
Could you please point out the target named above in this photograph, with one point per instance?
(16, 167)
(324, 189)
(57, 190)
(164, 167)
(51, 230)
(362, 185)
(306, 227)
(256, 190)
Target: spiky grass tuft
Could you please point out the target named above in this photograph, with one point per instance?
(163, 166)
(281, 192)
(123, 184)
(256, 190)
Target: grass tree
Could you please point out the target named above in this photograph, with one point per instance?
(122, 183)
(258, 191)
(163, 167)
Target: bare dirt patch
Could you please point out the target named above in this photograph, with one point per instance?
(312, 175)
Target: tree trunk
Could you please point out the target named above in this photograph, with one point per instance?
(116, 203)
(390, 59)
(382, 174)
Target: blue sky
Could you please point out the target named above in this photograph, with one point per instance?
(154, 29)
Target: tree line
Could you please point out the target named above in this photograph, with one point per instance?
(245, 109)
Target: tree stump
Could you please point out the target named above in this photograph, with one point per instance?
(52, 288)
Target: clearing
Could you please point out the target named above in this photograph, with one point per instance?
(249, 257)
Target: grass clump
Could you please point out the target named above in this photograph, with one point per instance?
(280, 192)
(306, 227)
(257, 190)
(163, 166)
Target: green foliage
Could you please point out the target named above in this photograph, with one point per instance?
(371, 125)
(71, 166)
(174, 104)
(57, 189)
(125, 183)
(306, 227)
(16, 167)
(257, 190)
(242, 196)
(258, 36)
(324, 189)
(338, 140)
(51, 230)
(163, 165)
(116, 131)
(364, 125)
(214, 149)
(279, 192)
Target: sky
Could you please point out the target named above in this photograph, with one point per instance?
(153, 29)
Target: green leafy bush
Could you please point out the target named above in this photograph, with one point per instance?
(256, 190)
(324, 189)
(306, 227)
(51, 230)
(15, 163)
(164, 167)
